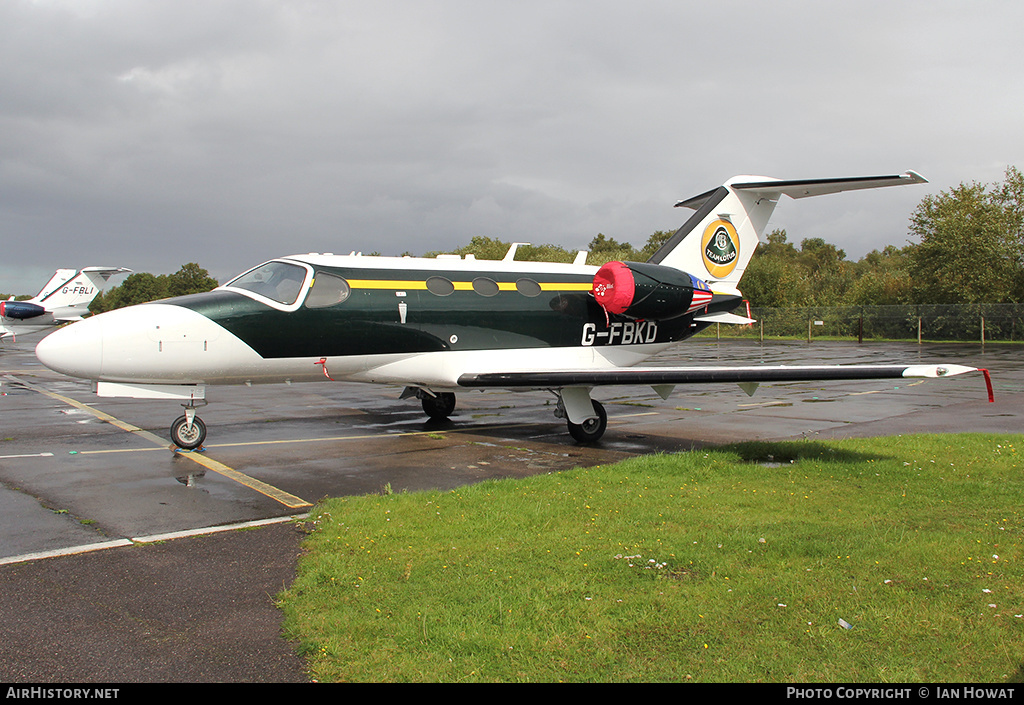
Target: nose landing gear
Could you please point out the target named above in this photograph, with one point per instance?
(188, 430)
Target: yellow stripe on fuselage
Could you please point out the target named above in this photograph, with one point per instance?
(386, 284)
(404, 285)
(566, 286)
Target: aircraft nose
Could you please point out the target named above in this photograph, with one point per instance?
(75, 350)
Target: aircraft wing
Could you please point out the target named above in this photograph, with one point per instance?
(703, 375)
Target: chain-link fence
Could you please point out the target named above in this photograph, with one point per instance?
(968, 322)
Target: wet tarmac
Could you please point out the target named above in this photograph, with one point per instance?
(113, 569)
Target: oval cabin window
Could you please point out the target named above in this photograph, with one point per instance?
(440, 286)
(528, 287)
(485, 286)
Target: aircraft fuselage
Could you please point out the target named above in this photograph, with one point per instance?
(367, 319)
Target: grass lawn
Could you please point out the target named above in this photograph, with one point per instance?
(871, 560)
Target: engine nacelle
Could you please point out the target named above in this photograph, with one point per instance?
(20, 310)
(649, 291)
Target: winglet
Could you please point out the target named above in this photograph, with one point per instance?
(949, 371)
(988, 383)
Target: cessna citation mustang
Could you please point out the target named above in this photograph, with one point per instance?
(436, 326)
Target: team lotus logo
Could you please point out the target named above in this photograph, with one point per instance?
(720, 247)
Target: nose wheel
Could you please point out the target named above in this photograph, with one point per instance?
(188, 436)
(188, 430)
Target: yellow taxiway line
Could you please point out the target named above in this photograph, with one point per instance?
(263, 488)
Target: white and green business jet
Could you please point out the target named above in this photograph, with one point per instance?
(441, 325)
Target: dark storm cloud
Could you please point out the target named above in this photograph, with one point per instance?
(152, 134)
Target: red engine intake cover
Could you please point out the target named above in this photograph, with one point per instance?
(646, 291)
(614, 287)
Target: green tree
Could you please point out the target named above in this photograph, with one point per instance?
(544, 253)
(493, 249)
(881, 278)
(771, 282)
(654, 243)
(138, 288)
(829, 274)
(970, 248)
(777, 246)
(190, 279)
(142, 287)
(481, 247)
(1010, 195)
(775, 277)
(607, 249)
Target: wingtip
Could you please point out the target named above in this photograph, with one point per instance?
(937, 370)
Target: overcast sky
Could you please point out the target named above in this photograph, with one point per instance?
(151, 133)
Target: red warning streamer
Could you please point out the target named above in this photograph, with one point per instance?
(323, 361)
(988, 383)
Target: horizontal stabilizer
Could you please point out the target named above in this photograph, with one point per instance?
(819, 187)
(805, 188)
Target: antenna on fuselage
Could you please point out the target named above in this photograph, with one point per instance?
(511, 254)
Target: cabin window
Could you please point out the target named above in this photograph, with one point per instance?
(528, 287)
(327, 290)
(277, 281)
(440, 286)
(485, 286)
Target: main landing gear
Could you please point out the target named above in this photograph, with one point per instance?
(188, 430)
(575, 403)
(439, 406)
(591, 430)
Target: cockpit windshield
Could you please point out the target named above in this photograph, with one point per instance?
(278, 281)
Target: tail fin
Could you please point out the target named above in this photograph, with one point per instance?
(69, 292)
(59, 279)
(716, 243)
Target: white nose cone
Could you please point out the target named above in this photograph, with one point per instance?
(155, 343)
(75, 350)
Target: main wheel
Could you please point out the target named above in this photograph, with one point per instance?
(591, 430)
(440, 406)
(185, 437)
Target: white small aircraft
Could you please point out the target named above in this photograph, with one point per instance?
(436, 326)
(65, 298)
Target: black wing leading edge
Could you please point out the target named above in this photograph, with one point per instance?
(702, 375)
